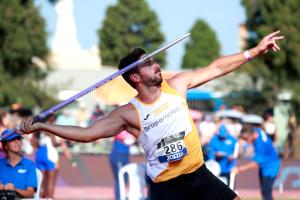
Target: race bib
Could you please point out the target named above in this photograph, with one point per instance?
(171, 148)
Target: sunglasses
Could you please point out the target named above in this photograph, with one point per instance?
(149, 62)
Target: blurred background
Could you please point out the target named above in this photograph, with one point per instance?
(51, 50)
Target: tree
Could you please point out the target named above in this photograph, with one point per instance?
(22, 37)
(127, 25)
(280, 71)
(202, 47)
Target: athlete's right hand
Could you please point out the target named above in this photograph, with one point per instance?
(28, 127)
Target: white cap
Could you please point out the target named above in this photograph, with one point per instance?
(230, 114)
(252, 119)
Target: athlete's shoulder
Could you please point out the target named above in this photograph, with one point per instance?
(177, 83)
(123, 110)
(130, 115)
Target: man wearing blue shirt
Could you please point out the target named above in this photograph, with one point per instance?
(222, 148)
(16, 172)
(265, 157)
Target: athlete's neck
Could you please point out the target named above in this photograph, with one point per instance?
(149, 94)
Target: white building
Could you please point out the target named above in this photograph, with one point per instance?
(73, 68)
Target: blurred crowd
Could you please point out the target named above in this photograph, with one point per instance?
(281, 128)
(220, 135)
(78, 115)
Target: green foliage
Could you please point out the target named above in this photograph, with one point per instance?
(202, 48)
(279, 70)
(127, 25)
(22, 36)
(25, 92)
(251, 100)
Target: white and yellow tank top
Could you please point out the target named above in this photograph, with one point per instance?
(168, 136)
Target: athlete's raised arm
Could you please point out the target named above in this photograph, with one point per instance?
(224, 65)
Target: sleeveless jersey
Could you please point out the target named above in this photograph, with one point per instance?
(168, 136)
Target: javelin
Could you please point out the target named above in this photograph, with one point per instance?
(44, 115)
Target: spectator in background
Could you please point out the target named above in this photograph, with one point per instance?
(207, 128)
(288, 147)
(17, 172)
(17, 114)
(4, 124)
(231, 119)
(281, 117)
(97, 113)
(246, 149)
(265, 158)
(66, 118)
(82, 116)
(234, 127)
(269, 126)
(5, 121)
(47, 159)
(222, 149)
(119, 156)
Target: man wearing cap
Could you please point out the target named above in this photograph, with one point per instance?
(265, 158)
(17, 173)
(222, 149)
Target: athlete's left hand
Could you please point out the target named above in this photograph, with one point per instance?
(269, 42)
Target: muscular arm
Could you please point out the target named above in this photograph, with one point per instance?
(122, 118)
(222, 65)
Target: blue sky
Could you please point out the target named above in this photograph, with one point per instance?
(175, 16)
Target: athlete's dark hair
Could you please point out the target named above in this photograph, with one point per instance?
(133, 56)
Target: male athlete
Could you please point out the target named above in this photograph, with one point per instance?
(160, 120)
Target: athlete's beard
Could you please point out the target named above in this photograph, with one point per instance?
(153, 81)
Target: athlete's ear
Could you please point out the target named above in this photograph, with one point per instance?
(134, 77)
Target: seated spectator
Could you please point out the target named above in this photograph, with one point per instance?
(17, 173)
(222, 149)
